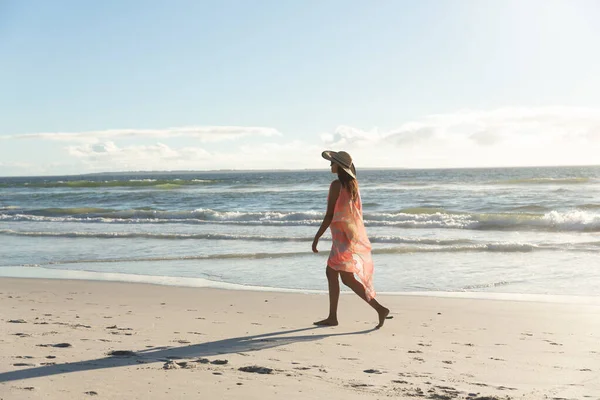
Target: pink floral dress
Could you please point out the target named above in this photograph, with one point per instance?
(351, 248)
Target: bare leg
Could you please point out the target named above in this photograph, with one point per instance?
(334, 297)
(349, 280)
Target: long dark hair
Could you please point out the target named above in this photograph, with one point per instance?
(348, 182)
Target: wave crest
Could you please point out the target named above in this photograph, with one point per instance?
(574, 220)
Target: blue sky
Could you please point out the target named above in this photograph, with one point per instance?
(155, 85)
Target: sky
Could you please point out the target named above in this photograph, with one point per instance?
(134, 85)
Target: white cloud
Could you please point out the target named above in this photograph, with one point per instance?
(108, 156)
(15, 165)
(477, 138)
(202, 133)
(469, 138)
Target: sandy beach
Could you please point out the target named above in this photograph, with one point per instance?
(62, 339)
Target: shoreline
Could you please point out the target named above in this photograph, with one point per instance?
(169, 281)
(186, 282)
(56, 339)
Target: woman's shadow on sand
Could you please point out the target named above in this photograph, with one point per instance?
(225, 346)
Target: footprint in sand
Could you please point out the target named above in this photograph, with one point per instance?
(552, 343)
(372, 371)
(57, 345)
(122, 353)
(256, 369)
(360, 385)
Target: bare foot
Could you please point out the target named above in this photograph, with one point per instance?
(383, 313)
(326, 322)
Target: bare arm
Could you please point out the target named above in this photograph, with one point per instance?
(334, 192)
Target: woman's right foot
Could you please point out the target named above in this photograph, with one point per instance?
(326, 322)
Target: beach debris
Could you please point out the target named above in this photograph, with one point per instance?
(20, 334)
(91, 393)
(256, 369)
(23, 365)
(17, 321)
(122, 353)
(57, 345)
(178, 365)
(219, 362)
(171, 365)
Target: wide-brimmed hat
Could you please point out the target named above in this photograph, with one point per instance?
(342, 159)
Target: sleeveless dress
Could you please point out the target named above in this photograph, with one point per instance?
(351, 248)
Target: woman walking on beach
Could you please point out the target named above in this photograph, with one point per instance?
(351, 249)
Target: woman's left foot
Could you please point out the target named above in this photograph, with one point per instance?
(327, 322)
(383, 313)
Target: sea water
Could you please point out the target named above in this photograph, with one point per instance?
(510, 230)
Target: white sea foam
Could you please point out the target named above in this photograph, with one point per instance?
(587, 221)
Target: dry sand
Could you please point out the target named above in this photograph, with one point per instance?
(184, 342)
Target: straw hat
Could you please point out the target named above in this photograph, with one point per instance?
(342, 159)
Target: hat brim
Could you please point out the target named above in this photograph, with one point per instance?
(330, 156)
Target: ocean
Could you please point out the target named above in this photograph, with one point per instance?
(527, 231)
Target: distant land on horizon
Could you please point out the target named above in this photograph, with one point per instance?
(242, 171)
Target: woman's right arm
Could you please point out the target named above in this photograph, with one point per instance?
(334, 192)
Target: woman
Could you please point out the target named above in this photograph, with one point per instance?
(351, 250)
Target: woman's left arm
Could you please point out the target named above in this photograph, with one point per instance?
(334, 192)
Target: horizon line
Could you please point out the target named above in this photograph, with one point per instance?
(225, 170)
